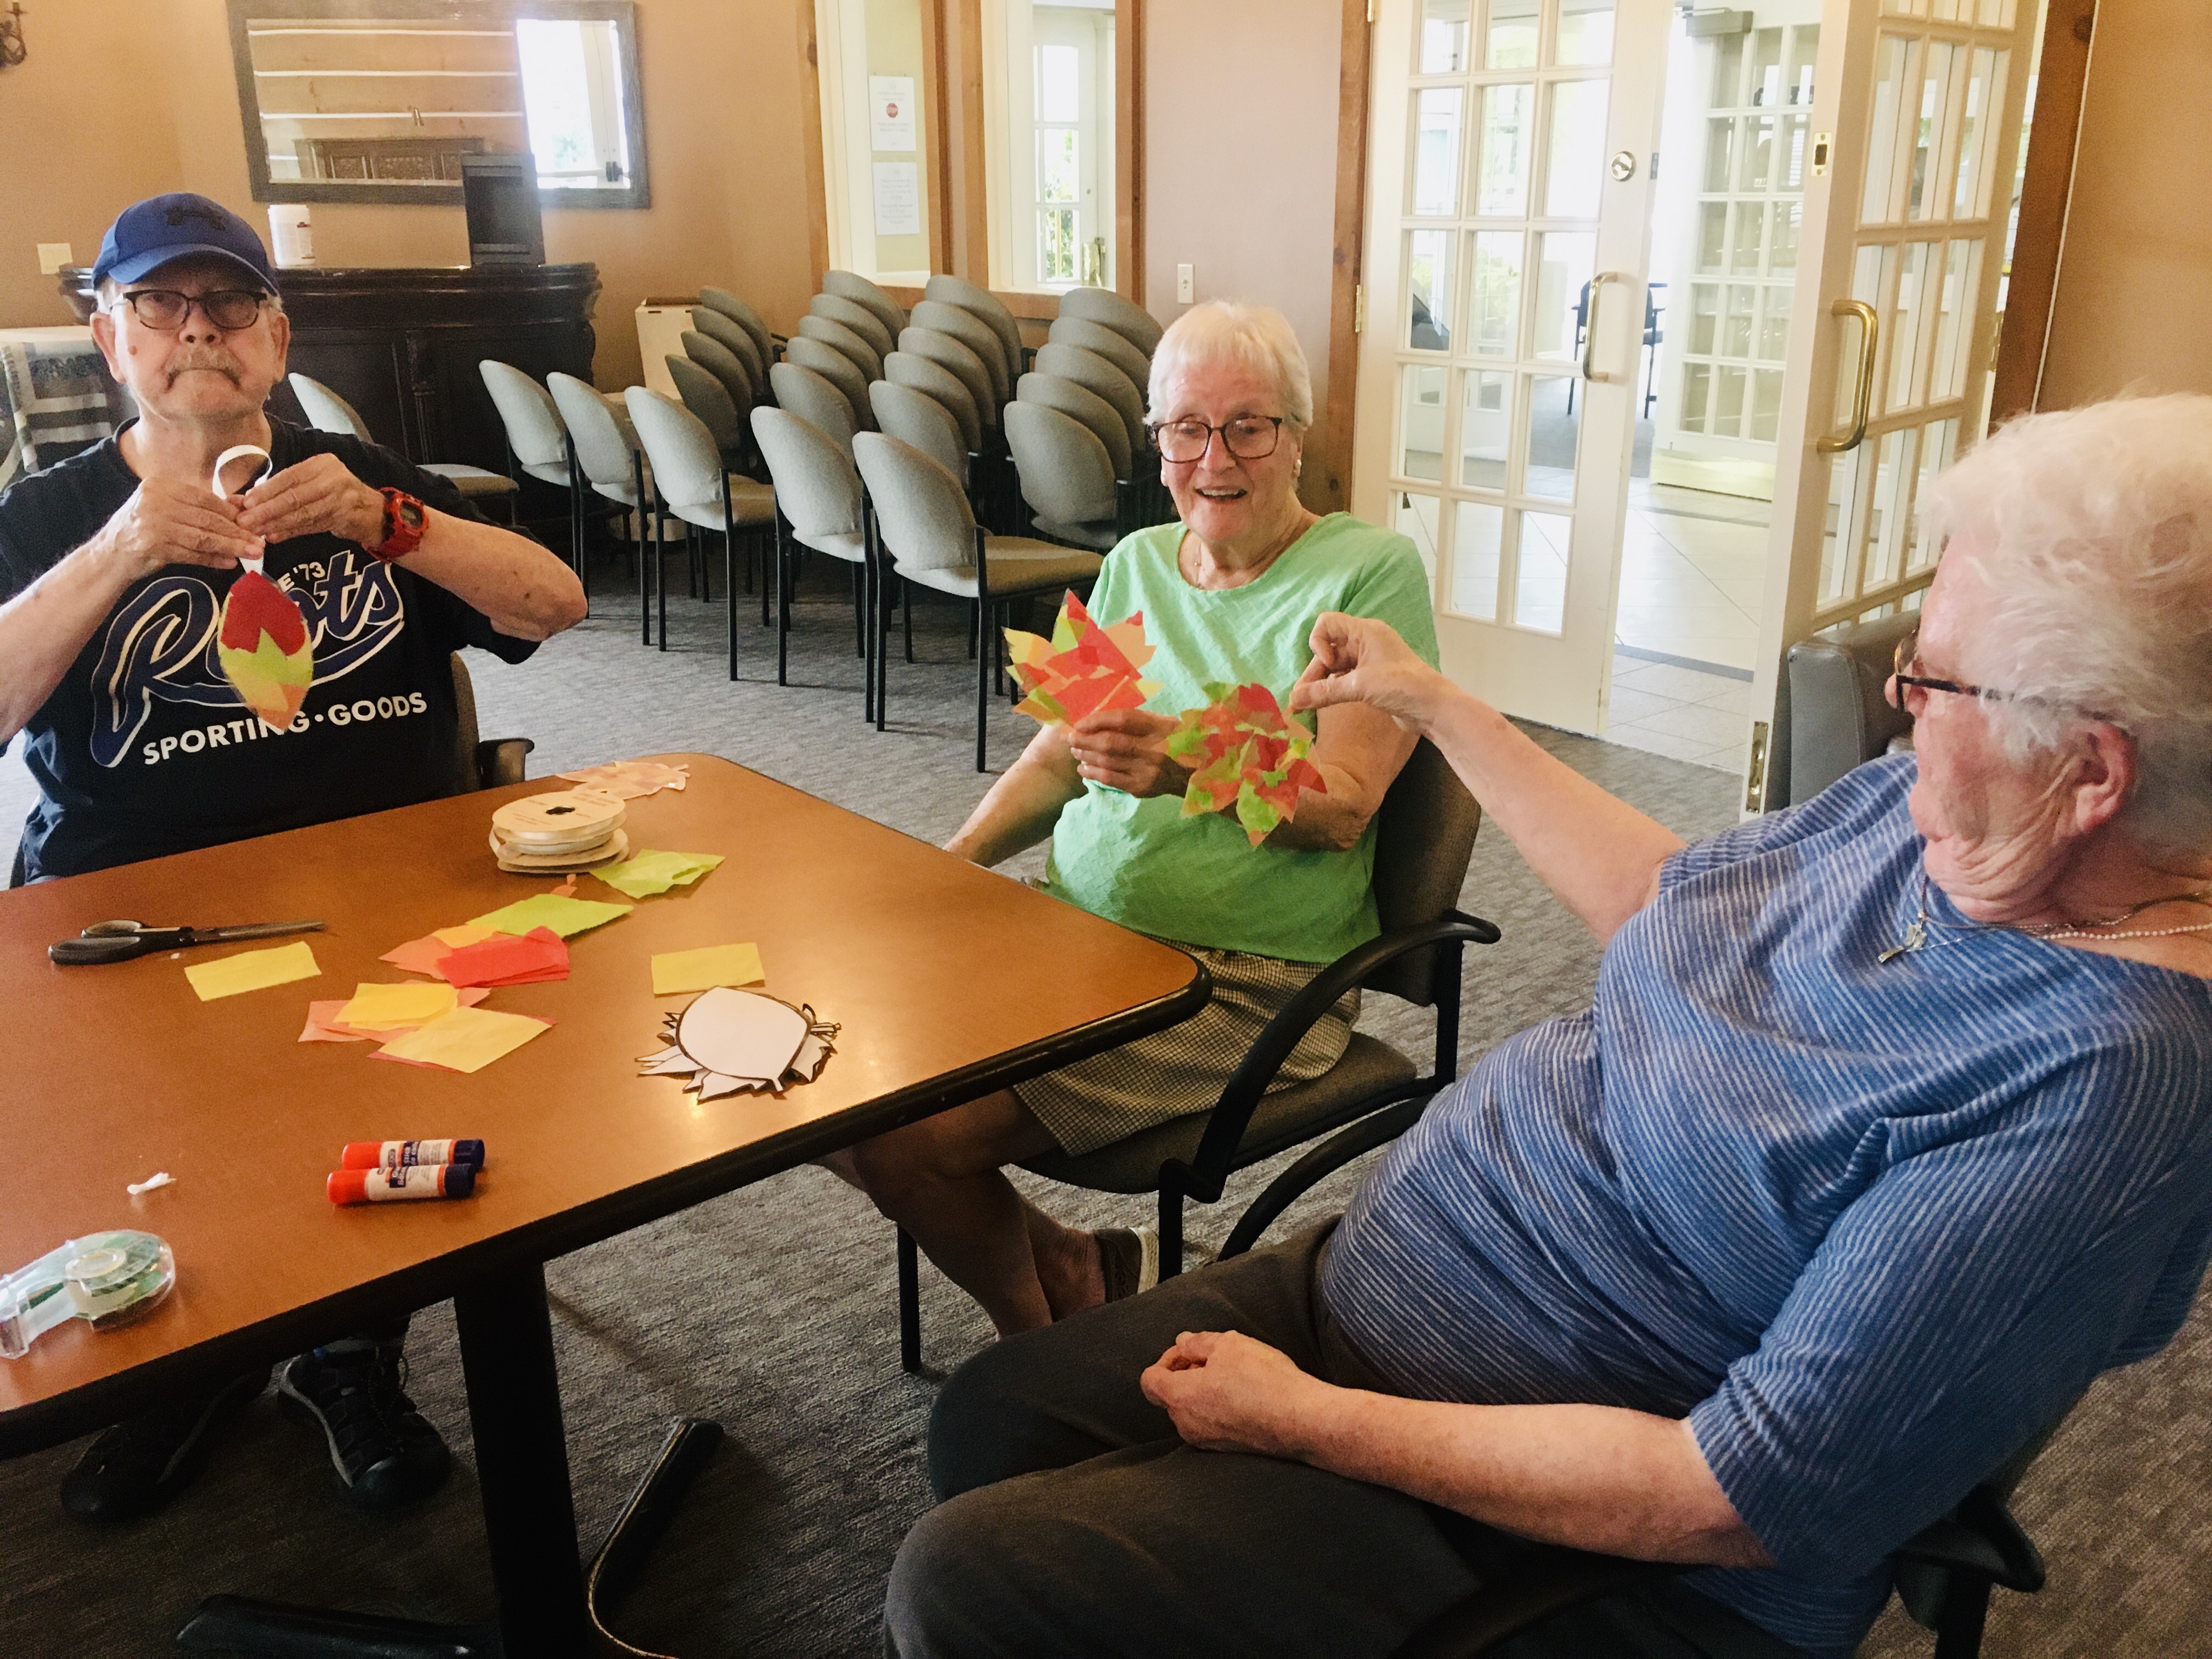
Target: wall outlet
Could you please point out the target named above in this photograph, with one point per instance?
(1186, 287)
(53, 256)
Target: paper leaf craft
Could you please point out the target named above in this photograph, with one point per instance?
(1247, 752)
(648, 872)
(263, 650)
(730, 1042)
(628, 780)
(1082, 668)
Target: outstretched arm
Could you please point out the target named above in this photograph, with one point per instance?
(1022, 806)
(1599, 854)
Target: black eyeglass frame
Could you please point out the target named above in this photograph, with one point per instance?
(1908, 650)
(207, 302)
(1153, 429)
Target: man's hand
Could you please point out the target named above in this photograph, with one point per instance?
(317, 496)
(1127, 750)
(1228, 1392)
(1358, 659)
(165, 523)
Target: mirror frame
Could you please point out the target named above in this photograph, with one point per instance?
(622, 14)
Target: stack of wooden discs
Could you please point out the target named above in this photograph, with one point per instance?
(547, 835)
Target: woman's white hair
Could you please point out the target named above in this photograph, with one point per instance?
(1230, 331)
(2092, 531)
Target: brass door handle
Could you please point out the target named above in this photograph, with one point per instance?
(1589, 326)
(1862, 404)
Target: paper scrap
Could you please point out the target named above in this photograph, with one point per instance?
(385, 1007)
(729, 1041)
(628, 780)
(649, 873)
(563, 915)
(508, 959)
(1247, 752)
(323, 1025)
(466, 1040)
(1082, 668)
(698, 970)
(135, 1187)
(568, 887)
(456, 937)
(252, 970)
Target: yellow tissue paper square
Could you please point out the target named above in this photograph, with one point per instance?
(466, 1040)
(252, 970)
(703, 970)
(650, 872)
(381, 1007)
(460, 938)
(563, 915)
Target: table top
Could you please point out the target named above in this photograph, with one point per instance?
(948, 982)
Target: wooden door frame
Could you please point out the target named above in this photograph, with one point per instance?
(1333, 425)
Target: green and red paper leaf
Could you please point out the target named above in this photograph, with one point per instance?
(1082, 668)
(1247, 753)
(263, 650)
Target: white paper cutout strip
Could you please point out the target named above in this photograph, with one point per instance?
(730, 1042)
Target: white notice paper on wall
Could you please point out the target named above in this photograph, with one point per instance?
(891, 111)
(898, 198)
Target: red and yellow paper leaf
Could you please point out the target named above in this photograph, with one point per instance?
(263, 650)
(1083, 667)
(1248, 753)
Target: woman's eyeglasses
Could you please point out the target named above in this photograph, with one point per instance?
(1249, 438)
(164, 309)
(1907, 655)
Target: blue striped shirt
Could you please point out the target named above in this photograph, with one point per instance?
(1867, 1226)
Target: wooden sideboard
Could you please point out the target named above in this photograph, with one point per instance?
(402, 344)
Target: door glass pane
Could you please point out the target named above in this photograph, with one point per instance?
(1804, 54)
(1720, 152)
(1415, 517)
(1512, 38)
(1938, 442)
(1494, 306)
(1540, 588)
(1696, 396)
(1565, 260)
(1783, 220)
(1928, 135)
(1984, 92)
(1428, 290)
(1713, 237)
(1765, 403)
(1869, 280)
(1905, 322)
(1444, 36)
(1704, 317)
(1962, 279)
(1421, 422)
(1767, 67)
(1789, 153)
(1893, 509)
(1735, 326)
(1554, 431)
(1585, 31)
(1485, 427)
(1574, 167)
(1502, 171)
(1837, 523)
(1729, 385)
(1435, 149)
(1774, 326)
(1743, 249)
(1758, 152)
(1478, 533)
(1891, 55)
(1726, 91)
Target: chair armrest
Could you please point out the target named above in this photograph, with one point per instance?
(1232, 1114)
(499, 760)
(1977, 1544)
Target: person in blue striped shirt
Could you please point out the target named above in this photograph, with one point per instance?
(1888, 1129)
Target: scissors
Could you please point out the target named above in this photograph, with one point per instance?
(120, 941)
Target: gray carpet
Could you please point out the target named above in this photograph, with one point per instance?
(782, 1547)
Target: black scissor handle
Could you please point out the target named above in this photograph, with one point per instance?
(108, 947)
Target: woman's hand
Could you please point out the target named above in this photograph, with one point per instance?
(1125, 749)
(1228, 1392)
(1358, 659)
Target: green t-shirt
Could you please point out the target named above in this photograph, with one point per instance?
(1141, 863)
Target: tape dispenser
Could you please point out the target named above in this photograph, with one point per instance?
(107, 1279)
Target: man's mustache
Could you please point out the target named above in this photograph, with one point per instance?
(220, 362)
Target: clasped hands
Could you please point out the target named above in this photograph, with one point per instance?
(166, 522)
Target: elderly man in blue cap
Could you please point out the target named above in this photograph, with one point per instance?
(114, 566)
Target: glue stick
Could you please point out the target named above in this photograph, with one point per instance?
(405, 1154)
(417, 1181)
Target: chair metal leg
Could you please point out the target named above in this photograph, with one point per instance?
(637, 534)
(906, 611)
(909, 1277)
(1170, 1229)
(645, 1518)
(985, 660)
(782, 605)
(1965, 1609)
(661, 564)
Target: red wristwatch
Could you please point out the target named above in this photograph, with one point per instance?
(404, 520)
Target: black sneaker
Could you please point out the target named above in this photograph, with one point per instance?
(384, 1453)
(141, 1463)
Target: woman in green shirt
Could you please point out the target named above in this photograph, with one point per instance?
(1229, 595)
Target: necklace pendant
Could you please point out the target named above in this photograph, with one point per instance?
(1915, 937)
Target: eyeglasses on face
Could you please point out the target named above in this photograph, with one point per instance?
(165, 309)
(1901, 676)
(1248, 437)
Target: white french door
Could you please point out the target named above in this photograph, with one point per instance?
(1511, 157)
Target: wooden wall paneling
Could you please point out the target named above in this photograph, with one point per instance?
(1129, 148)
(1333, 491)
(813, 138)
(2053, 132)
(937, 130)
(970, 253)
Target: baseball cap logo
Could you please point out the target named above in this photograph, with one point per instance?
(177, 216)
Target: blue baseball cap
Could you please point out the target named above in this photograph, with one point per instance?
(148, 235)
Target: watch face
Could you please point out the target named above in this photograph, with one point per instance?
(410, 513)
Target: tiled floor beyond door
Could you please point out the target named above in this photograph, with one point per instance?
(1685, 714)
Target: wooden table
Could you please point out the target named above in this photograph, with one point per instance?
(948, 982)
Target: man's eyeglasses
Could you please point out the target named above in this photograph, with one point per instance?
(1907, 655)
(165, 309)
(1249, 438)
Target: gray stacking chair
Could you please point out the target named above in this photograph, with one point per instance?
(916, 417)
(928, 534)
(326, 411)
(1085, 405)
(689, 477)
(612, 467)
(1096, 337)
(934, 380)
(705, 395)
(840, 337)
(834, 366)
(958, 291)
(735, 339)
(815, 401)
(976, 335)
(818, 496)
(721, 299)
(1066, 476)
(846, 285)
(537, 443)
(1093, 372)
(1124, 317)
(725, 365)
(858, 318)
(948, 352)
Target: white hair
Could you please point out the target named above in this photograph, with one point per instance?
(1228, 331)
(2092, 531)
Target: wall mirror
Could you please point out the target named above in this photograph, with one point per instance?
(377, 101)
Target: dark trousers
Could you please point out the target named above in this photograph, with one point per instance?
(1074, 1522)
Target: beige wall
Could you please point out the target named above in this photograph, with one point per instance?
(2134, 275)
(722, 119)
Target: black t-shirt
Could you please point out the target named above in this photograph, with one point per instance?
(144, 749)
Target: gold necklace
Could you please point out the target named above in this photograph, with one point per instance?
(1915, 935)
